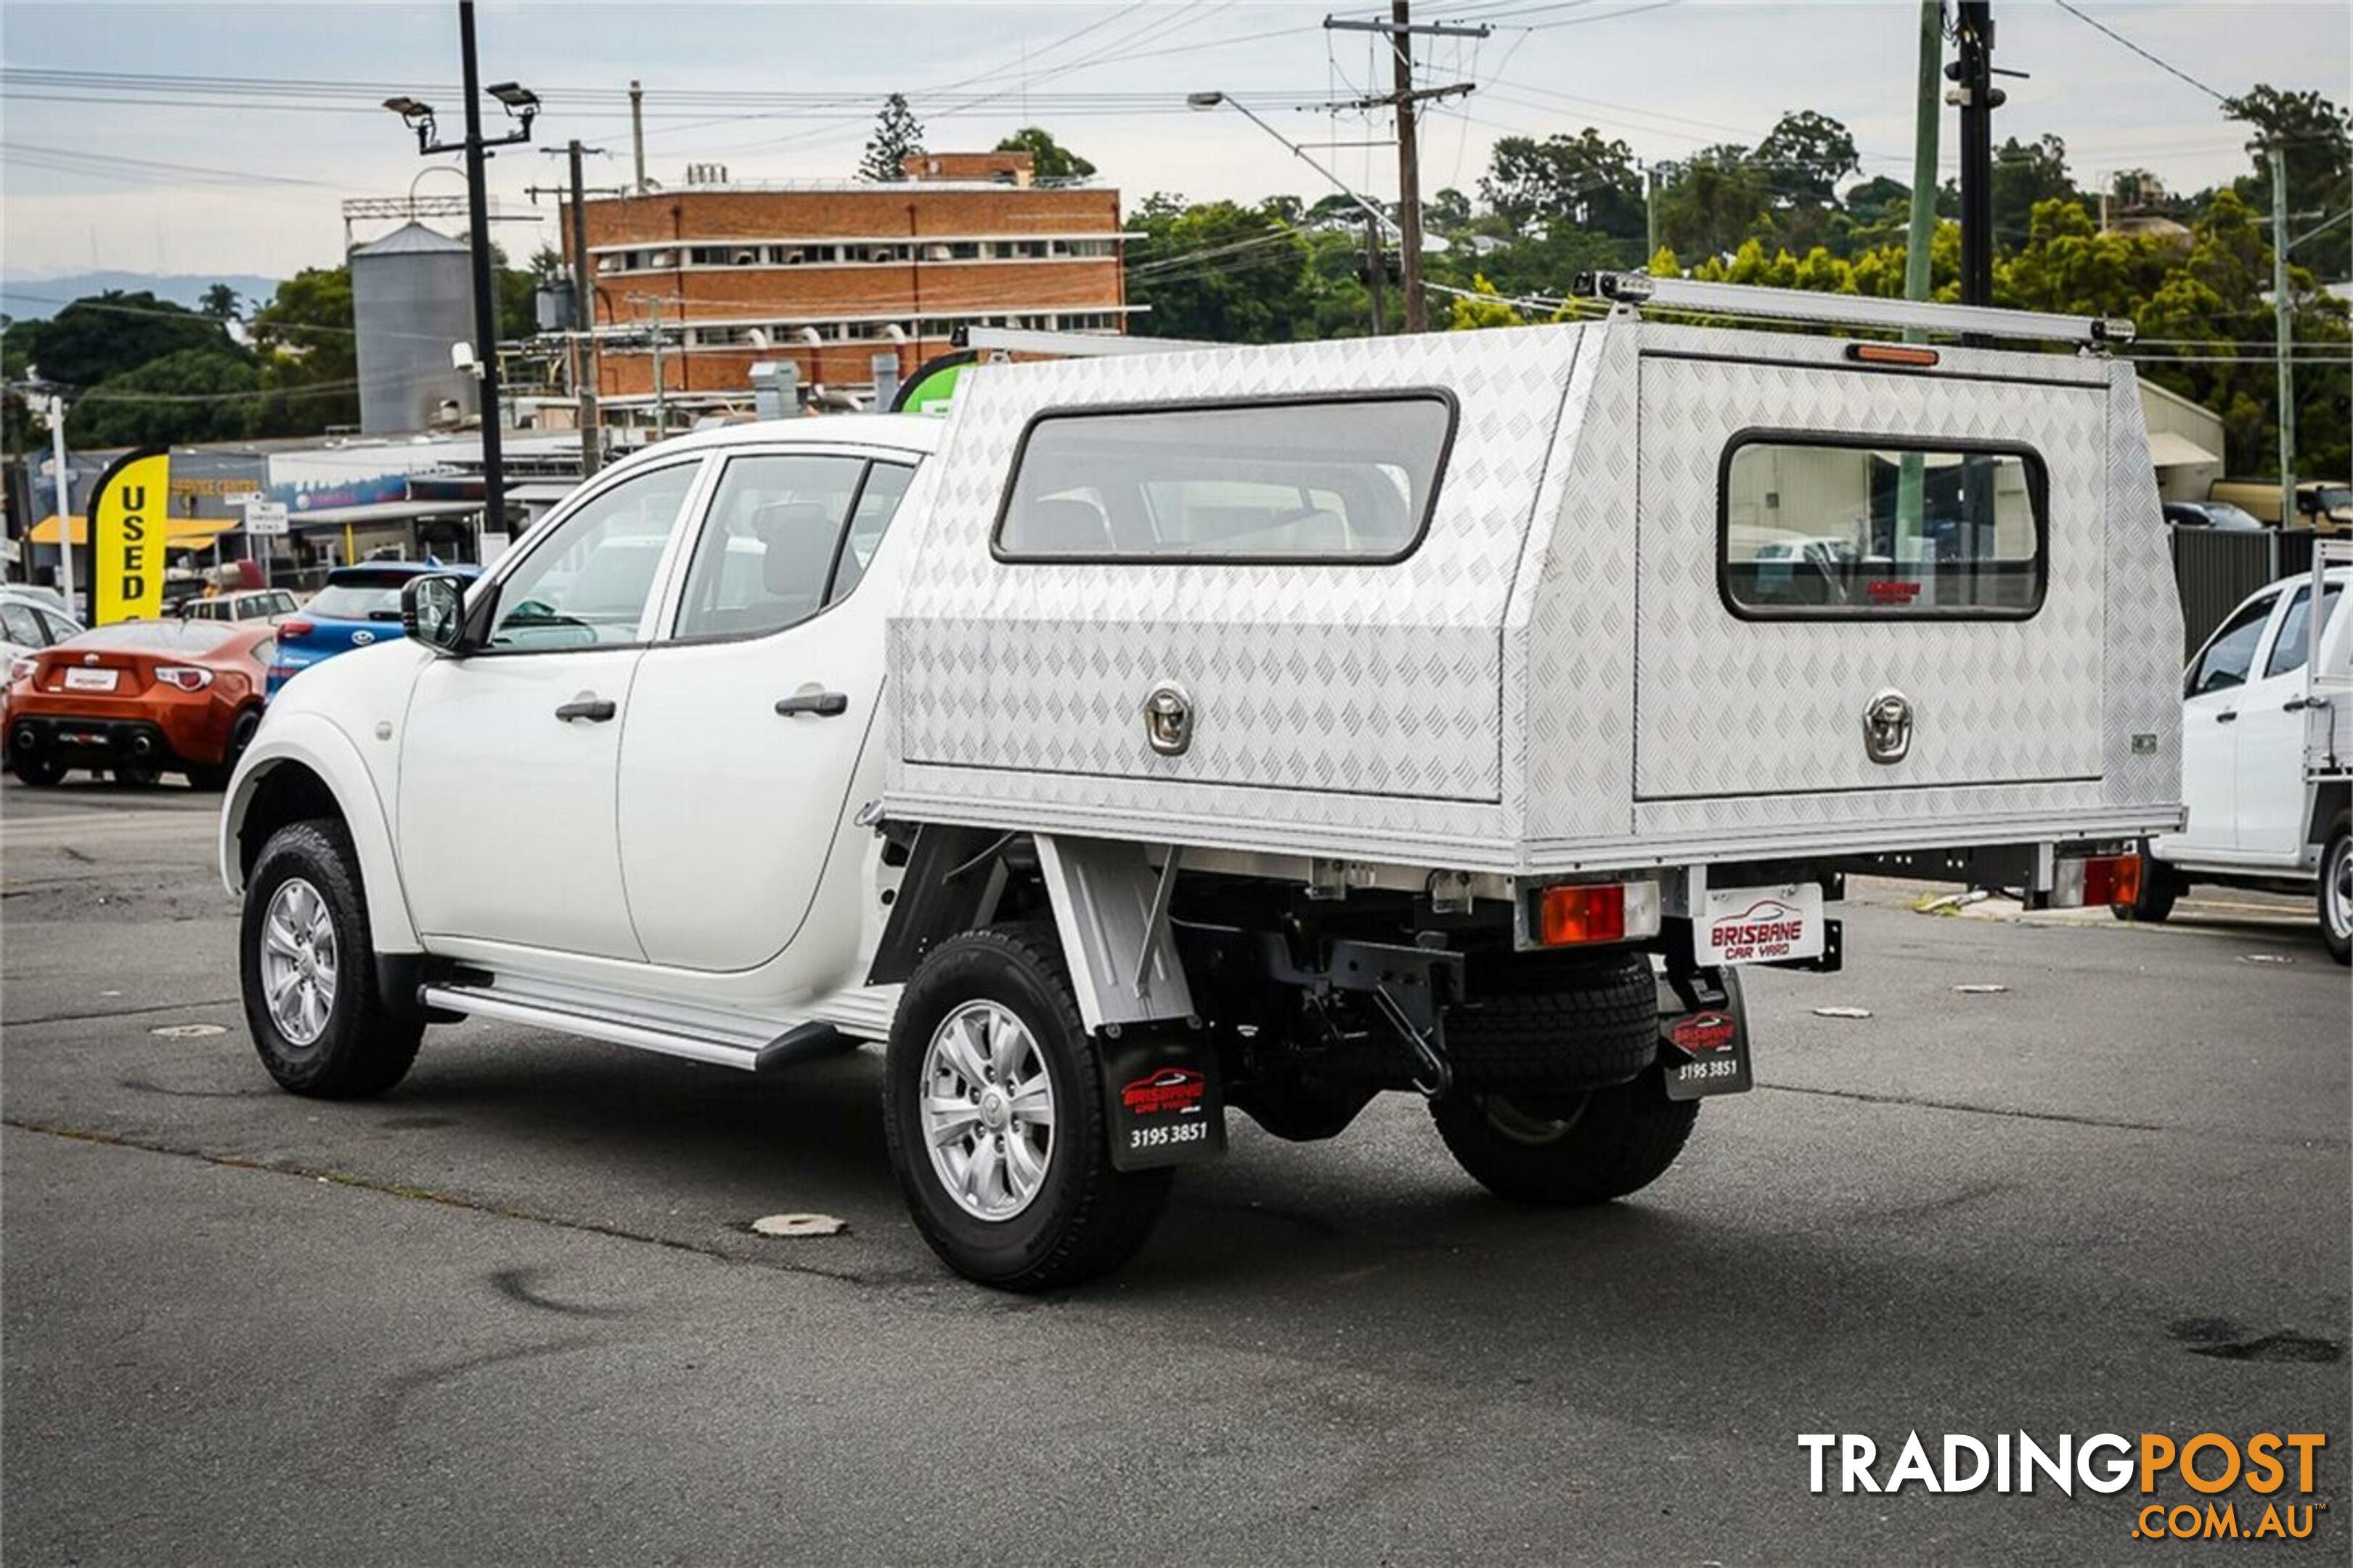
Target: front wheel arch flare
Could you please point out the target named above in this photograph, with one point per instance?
(328, 777)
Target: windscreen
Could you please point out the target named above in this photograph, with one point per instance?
(1336, 480)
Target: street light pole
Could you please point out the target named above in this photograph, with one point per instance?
(1212, 100)
(521, 105)
(486, 301)
(65, 495)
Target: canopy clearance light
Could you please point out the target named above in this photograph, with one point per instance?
(1891, 354)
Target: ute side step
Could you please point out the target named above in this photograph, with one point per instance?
(746, 1049)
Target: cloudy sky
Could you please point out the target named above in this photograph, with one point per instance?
(220, 137)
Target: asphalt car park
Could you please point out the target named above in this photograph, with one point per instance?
(516, 1309)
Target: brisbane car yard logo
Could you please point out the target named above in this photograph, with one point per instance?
(1705, 1032)
(2275, 1468)
(1171, 1089)
(1766, 928)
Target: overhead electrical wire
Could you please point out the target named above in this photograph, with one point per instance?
(2166, 65)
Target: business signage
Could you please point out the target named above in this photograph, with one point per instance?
(128, 511)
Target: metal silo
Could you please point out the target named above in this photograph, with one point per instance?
(412, 298)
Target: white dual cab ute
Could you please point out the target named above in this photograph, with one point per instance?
(1175, 729)
(2267, 755)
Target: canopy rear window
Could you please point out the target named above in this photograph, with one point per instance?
(1821, 526)
(1343, 479)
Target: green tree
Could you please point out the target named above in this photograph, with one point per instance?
(192, 394)
(1219, 271)
(2025, 175)
(1050, 160)
(220, 304)
(2317, 137)
(898, 135)
(310, 349)
(1805, 156)
(1585, 181)
(1486, 309)
(103, 335)
(1444, 213)
(1714, 200)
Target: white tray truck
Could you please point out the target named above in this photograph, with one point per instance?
(1263, 729)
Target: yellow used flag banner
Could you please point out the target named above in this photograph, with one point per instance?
(129, 513)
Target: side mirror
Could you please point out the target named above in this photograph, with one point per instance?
(433, 611)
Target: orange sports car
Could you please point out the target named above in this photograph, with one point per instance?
(139, 699)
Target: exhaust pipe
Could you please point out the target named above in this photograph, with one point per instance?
(26, 738)
(142, 745)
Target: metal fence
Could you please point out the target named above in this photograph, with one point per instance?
(2216, 568)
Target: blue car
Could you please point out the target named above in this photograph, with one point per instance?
(359, 604)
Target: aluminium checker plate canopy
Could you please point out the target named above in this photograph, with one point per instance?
(1550, 681)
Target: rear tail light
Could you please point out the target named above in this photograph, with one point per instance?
(187, 677)
(21, 667)
(1581, 912)
(2095, 880)
(295, 629)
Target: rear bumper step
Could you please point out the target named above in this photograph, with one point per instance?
(746, 1051)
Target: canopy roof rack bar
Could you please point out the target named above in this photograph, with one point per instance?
(1639, 288)
(1021, 340)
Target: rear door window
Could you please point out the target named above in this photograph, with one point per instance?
(1818, 526)
(767, 548)
(878, 502)
(2292, 646)
(1336, 480)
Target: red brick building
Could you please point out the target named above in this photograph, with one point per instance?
(828, 277)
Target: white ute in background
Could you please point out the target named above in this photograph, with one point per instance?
(2267, 755)
(1178, 726)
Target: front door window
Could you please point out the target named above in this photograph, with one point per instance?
(586, 583)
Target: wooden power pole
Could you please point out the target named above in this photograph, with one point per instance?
(1400, 28)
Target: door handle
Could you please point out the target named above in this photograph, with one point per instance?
(2298, 704)
(2227, 716)
(588, 706)
(821, 704)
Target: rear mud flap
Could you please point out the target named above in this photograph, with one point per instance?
(1162, 1099)
(1703, 1033)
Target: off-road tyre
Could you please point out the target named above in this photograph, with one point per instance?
(41, 772)
(216, 776)
(2160, 886)
(1086, 1218)
(2334, 897)
(1564, 1150)
(1554, 1023)
(364, 1049)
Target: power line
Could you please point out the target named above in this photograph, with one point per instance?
(2165, 66)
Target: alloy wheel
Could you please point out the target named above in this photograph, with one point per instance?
(298, 962)
(987, 1108)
